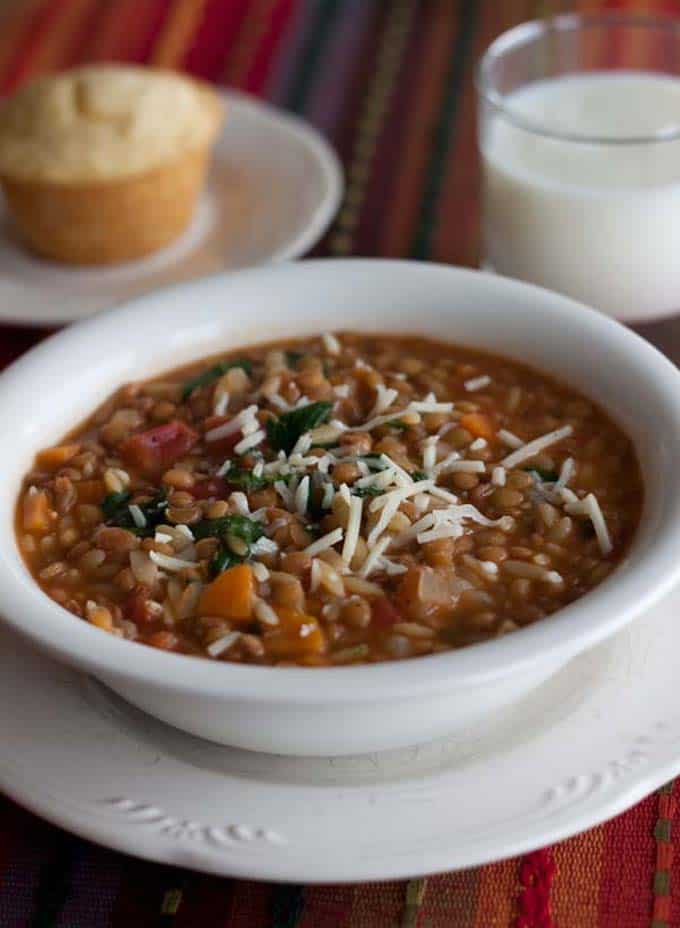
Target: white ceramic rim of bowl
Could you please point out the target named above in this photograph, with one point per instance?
(570, 631)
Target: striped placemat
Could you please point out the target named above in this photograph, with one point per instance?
(390, 83)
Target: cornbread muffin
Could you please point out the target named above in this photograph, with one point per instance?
(104, 164)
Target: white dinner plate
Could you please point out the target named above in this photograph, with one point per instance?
(597, 738)
(274, 186)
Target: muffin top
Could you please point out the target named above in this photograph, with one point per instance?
(104, 123)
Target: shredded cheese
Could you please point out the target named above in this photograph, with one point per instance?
(498, 476)
(510, 439)
(260, 571)
(477, 383)
(302, 496)
(239, 501)
(234, 425)
(464, 467)
(430, 452)
(224, 469)
(384, 399)
(263, 611)
(264, 546)
(331, 344)
(326, 541)
(454, 530)
(566, 473)
(138, 516)
(220, 645)
(303, 444)
(373, 556)
(590, 507)
(166, 562)
(250, 441)
(537, 445)
(356, 504)
(221, 404)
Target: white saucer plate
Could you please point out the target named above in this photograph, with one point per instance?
(593, 741)
(274, 187)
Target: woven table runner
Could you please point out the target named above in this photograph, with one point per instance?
(390, 83)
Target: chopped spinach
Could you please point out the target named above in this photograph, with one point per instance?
(367, 491)
(247, 481)
(284, 431)
(248, 530)
(293, 358)
(545, 476)
(588, 529)
(223, 560)
(114, 502)
(116, 509)
(241, 526)
(374, 461)
(213, 374)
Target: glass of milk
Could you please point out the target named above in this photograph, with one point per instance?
(579, 133)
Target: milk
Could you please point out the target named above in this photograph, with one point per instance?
(599, 222)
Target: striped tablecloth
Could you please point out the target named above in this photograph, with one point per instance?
(389, 81)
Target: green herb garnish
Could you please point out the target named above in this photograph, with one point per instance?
(114, 502)
(293, 358)
(284, 431)
(374, 461)
(397, 424)
(248, 530)
(367, 491)
(116, 509)
(242, 527)
(418, 475)
(213, 374)
(247, 481)
(546, 476)
(223, 560)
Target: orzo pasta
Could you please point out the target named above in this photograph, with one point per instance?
(343, 499)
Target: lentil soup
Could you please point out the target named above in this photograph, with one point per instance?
(334, 500)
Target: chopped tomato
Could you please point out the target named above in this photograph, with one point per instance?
(384, 612)
(213, 486)
(159, 447)
(137, 607)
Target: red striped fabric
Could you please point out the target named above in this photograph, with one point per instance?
(401, 114)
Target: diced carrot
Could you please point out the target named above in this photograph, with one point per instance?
(231, 595)
(166, 641)
(90, 491)
(138, 606)
(52, 458)
(37, 513)
(298, 635)
(480, 425)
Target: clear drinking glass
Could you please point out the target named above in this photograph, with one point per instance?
(579, 135)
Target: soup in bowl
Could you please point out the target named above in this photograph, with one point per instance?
(337, 506)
